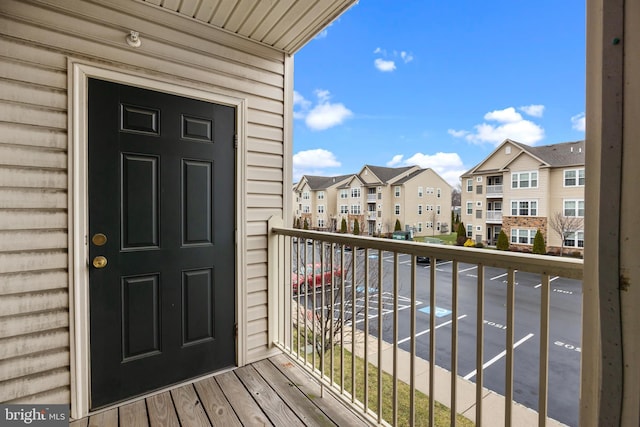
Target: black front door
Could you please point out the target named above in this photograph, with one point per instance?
(161, 239)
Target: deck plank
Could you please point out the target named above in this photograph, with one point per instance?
(134, 415)
(82, 422)
(305, 408)
(243, 404)
(189, 407)
(161, 411)
(273, 406)
(216, 404)
(104, 419)
(329, 404)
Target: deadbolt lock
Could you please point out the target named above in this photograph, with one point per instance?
(99, 239)
(99, 262)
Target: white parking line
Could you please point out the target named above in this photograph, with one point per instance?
(497, 277)
(550, 280)
(429, 330)
(467, 269)
(495, 359)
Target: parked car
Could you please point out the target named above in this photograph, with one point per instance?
(317, 273)
(423, 259)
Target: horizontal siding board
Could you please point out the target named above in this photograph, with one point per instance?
(34, 363)
(256, 270)
(256, 228)
(264, 201)
(257, 284)
(267, 119)
(257, 327)
(255, 130)
(11, 262)
(18, 134)
(34, 384)
(34, 302)
(32, 240)
(256, 256)
(264, 160)
(59, 395)
(36, 56)
(264, 174)
(256, 242)
(265, 187)
(33, 281)
(256, 312)
(28, 198)
(34, 343)
(28, 73)
(32, 157)
(265, 146)
(256, 299)
(30, 94)
(33, 178)
(262, 214)
(30, 115)
(257, 343)
(33, 322)
(21, 219)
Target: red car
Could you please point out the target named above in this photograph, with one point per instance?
(309, 275)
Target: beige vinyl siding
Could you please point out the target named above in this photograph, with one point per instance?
(35, 44)
(500, 158)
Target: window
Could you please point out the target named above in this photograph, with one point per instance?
(575, 240)
(305, 195)
(438, 209)
(478, 228)
(419, 209)
(306, 209)
(320, 195)
(420, 192)
(429, 190)
(320, 209)
(320, 223)
(479, 204)
(524, 180)
(479, 189)
(574, 178)
(429, 224)
(397, 209)
(355, 193)
(469, 208)
(439, 193)
(429, 207)
(507, 149)
(344, 194)
(522, 236)
(396, 190)
(419, 227)
(355, 209)
(344, 209)
(469, 230)
(574, 208)
(438, 226)
(479, 214)
(524, 207)
(469, 185)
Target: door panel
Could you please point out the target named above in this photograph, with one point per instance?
(161, 189)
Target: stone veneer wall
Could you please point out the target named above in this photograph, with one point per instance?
(535, 222)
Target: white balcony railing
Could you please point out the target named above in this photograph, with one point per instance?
(494, 190)
(372, 198)
(494, 216)
(378, 290)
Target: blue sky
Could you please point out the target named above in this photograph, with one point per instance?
(438, 84)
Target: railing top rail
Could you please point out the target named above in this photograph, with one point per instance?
(542, 264)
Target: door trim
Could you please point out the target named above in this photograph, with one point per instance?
(78, 210)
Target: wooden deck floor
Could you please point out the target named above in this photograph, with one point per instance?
(272, 392)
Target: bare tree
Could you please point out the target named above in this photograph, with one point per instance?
(456, 195)
(565, 226)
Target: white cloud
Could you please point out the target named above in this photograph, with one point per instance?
(578, 122)
(533, 110)
(406, 57)
(321, 116)
(384, 66)
(313, 162)
(510, 125)
(395, 160)
(378, 50)
(448, 165)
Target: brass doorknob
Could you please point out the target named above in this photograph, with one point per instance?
(99, 262)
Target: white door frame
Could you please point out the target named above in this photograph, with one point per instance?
(78, 214)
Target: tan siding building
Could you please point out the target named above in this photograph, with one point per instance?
(48, 51)
(522, 189)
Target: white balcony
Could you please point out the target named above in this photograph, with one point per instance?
(494, 191)
(494, 217)
(392, 295)
(372, 198)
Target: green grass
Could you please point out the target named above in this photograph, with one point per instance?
(442, 413)
(447, 239)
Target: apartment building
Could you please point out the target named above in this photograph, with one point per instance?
(521, 189)
(376, 197)
(315, 200)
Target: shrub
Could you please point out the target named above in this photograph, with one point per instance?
(503, 241)
(343, 226)
(469, 243)
(356, 227)
(538, 244)
(461, 235)
(397, 227)
(306, 224)
(479, 245)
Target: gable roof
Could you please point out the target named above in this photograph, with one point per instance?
(385, 174)
(285, 25)
(554, 155)
(324, 182)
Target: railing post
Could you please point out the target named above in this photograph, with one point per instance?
(274, 257)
